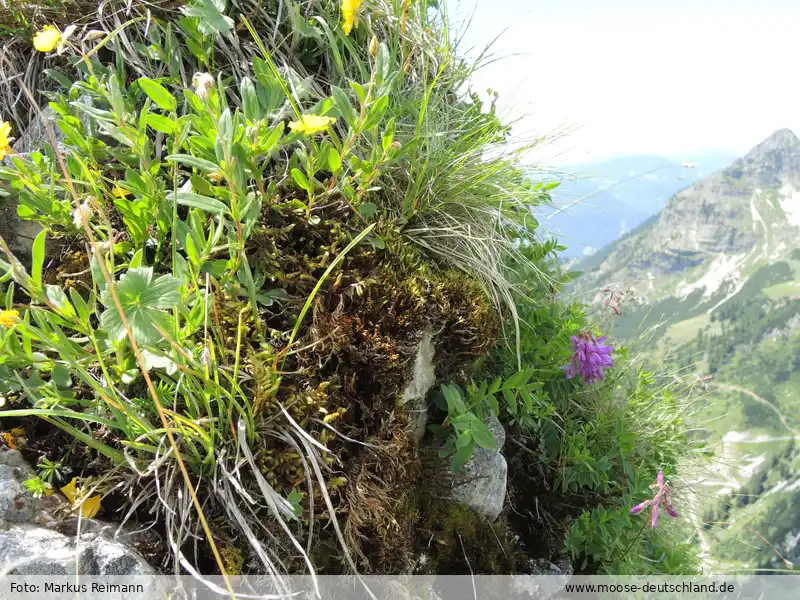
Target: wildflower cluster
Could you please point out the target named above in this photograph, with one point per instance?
(591, 357)
(662, 497)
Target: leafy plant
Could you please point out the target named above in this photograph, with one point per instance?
(37, 487)
(466, 413)
(142, 298)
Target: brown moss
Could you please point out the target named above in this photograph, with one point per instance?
(67, 264)
(382, 514)
(353, 357)
(233, 560)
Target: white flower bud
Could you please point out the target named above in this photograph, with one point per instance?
(19, 274)
(202, 82)
(205, 357)
(82, 213)
(102, 248)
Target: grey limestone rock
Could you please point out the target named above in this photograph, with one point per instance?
(481, 484)
(36, 540)
(423, 379)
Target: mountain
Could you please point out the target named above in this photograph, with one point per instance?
(712, 237)
(599, 201)
(711, 285)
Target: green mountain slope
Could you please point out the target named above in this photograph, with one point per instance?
(759, 528)
(717, 275)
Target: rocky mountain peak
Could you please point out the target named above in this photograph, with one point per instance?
(744, 215)
(783, 138)
(774, 161)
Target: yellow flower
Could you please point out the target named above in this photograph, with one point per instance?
(120, 192)
(349, 8)
(11, 443)
(311, 124)
(5, 139)
(70, 490)
(46, 39)
(8, 318)
(89, 507)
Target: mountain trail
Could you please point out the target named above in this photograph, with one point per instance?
(757, 398)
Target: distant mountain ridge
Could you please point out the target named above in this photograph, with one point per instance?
(713, 234)
(601, 200)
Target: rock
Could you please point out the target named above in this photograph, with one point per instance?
(36, 539)
(541, 566)
(17, 232)
(481, 484)
(422, 380)
(534, 585)
(16, 504)
(31, 550)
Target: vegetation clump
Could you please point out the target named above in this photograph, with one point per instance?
(259, 219)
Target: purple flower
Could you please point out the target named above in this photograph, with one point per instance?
(662, 497)
(590, 358)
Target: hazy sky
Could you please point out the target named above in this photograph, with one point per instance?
(643, 76)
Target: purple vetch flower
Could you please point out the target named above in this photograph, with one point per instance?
(590, 358)
(662, 497)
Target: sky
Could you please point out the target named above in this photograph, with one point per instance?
(668, 77)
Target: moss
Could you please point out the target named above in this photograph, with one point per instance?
(357, 345)
(456, 540)
(233, 559)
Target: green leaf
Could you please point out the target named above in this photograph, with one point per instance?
(58, 76)
(60, 375)
(157, 93)
(463, 422)
(376, 112)
(518, 379)
(493, 405)
(250, 105)
(388, 136)
(455, 405)
(511, 401)
(55, 294)
(193, 161)
(359, 91)
(382, 63)
(161, 123)
(367, 209)
(295, 498)
(464, 439)
(334, 161)
(37, 258)
(462, 456)
(80, 305)
(300, 26)
(270, 90)
(10, 294)
(225, 126)
(483, 436)
(377, 242)
(344, 107)
(137, 259)
(301, 180)
(205, 203)
(141, 296)
(191, 251)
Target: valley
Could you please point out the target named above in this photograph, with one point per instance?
(711, 291)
